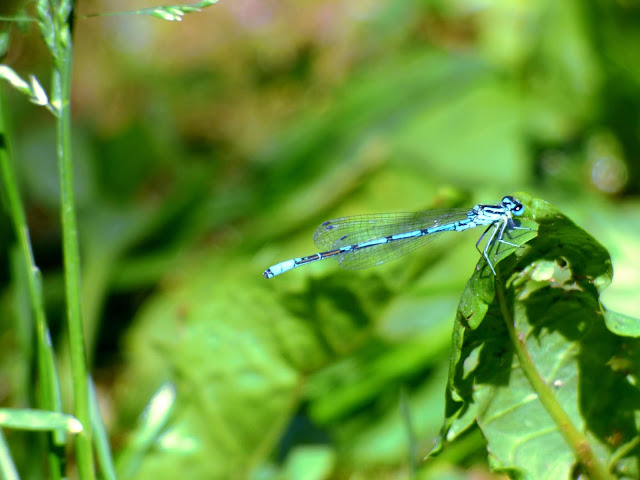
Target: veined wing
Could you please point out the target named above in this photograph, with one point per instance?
(378, 254)
(345, 231)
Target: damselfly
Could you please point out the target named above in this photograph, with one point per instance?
(364, 241)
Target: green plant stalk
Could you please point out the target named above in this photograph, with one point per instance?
(49, 391)
(71, 251)
(576, 441)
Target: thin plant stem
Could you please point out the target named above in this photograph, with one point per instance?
(49, 391)
(71, 251)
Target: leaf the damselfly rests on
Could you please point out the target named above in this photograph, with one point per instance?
(534, 366)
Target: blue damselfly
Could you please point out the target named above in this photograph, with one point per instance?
(364, 241)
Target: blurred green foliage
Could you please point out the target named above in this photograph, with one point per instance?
(208, 150)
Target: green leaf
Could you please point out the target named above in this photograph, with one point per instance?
(238, 352)
(534, 365)
(310, 463)
(31, 419)
(622, 324)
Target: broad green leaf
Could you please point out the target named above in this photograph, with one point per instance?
(537, 369)
(237, 350)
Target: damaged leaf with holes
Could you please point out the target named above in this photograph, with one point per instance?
(545, 317)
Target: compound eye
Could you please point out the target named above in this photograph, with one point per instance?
(518, 210)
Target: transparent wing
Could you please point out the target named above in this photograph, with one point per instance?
(345, 231)
(372, 256)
